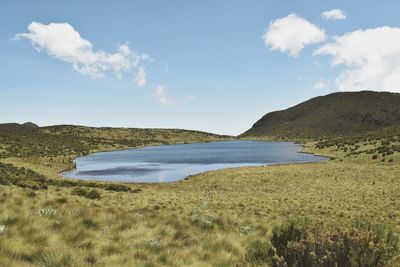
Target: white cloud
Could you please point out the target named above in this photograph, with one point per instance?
(371, 58)
(291, 34)
(141, 77)
(334, 14)
(161, 96)
(62, 41)
(321, 84)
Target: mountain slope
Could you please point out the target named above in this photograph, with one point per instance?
(344, 113)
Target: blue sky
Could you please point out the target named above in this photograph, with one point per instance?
(207, 64)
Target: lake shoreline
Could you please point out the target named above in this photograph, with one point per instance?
(128, 148)
(275, 154)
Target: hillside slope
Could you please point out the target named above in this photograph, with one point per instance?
(49, 150)
(26, 140)
(337, 114)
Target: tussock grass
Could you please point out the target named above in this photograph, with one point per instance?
(212, 219)
(219, 218)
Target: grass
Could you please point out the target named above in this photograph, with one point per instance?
(218, 218)
(336, 114)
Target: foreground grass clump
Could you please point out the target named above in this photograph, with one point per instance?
(308, 245)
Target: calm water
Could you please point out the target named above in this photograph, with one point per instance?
(175, 162)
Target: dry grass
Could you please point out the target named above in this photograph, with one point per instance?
(207, 220)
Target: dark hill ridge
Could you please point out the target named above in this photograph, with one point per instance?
(30, 125)
(17, 126)
(344, 113)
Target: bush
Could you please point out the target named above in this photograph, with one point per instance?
(362, 245)
(310, 246)
(117, 187)
(79, 191)
(93, 194)
(82, 192)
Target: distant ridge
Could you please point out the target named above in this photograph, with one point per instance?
(30, 125)
(337, 114)
(99, 132)
(17, 126)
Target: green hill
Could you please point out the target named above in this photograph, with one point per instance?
(30, 125)
(28, 139)
(337, 114)
(18, 127)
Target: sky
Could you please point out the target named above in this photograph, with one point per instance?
(215, 66)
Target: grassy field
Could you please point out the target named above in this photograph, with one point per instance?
(220, 218)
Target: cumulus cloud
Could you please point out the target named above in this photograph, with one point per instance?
(141, 77)
(161, 96)
(291, 34)
(321, 84)
(63, 42)
(334, 14)
(371, 59)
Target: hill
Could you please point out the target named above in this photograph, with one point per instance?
(18, 127)
(28, 139)
(30, 125)
(337, 114)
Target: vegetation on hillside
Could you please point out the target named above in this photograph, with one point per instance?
(341, 212)
(50, 150)
(337, 114)
(65, 140)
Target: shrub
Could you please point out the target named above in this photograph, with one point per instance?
(62, 200)
(89, 223)
(93, 194)
(79, 191)
(299, 245)
(362, 245)
(82, 192)
(117, 187)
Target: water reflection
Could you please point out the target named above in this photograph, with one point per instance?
(175, 162)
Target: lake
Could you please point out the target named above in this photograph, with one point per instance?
(169, 163)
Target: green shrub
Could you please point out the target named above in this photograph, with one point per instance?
(82, 192)
(89, 223)
(312, 246)
(93, 194)
(117, 187)
(79, 191)
(294, 244)
(62, 200)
